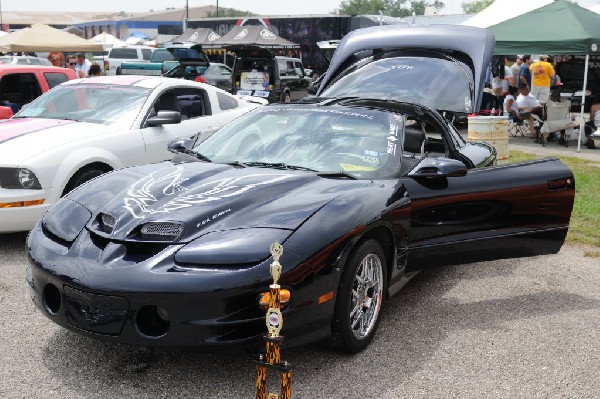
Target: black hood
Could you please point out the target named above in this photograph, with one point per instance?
(207, 197)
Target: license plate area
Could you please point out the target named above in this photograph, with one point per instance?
(102, 314)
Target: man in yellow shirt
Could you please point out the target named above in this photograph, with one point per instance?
(542, 72)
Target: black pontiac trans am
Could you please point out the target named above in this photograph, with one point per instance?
(363, 185)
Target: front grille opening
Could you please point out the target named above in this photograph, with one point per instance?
(152, 322)
(52, 299)
(141, 251)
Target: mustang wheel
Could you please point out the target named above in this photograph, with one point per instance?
(81, 177)
(359, 298)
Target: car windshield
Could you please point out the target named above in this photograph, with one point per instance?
(438, 83)
(93, 103)
(351, 141)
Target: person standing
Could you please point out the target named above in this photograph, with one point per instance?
(82, 66)
(543, 72)
(515, 69)
(56, 58)
(525, 73)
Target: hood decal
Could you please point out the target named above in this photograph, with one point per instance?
(14, 128)
(142, 196)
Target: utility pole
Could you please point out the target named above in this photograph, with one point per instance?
(187, 16)
(217, 8)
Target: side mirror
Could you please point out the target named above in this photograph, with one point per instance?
(438, 167)
(6, 112)
(164, 118)
(180, 145)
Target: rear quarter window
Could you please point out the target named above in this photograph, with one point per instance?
(123, 53)
(54, 78)
(226, 102)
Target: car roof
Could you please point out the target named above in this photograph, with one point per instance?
(29, 68)
(150, 82)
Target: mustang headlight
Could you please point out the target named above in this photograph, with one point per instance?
(240, 247)
(18, 178)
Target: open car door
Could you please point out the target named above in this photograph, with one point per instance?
(462, 216)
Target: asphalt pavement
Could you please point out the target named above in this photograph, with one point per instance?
(523, 328)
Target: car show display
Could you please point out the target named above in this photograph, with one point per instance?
(363, 185)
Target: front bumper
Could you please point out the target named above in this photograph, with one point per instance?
(86, 289)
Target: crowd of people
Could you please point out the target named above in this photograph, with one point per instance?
(523, 88)
(82, 66)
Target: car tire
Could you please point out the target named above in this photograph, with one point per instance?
(360, 296)
(82, 176)
(286, 98)
(118, 71)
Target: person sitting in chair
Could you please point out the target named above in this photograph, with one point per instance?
(510, 107)
(528, 105)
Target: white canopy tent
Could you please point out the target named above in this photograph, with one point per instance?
(107, 40)
(40, 37)
(502, 10)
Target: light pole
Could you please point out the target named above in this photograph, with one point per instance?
(217, 8)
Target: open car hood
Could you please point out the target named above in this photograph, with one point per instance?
(186, 54)
(440, 66)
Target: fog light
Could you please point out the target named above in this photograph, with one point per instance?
(284, 297)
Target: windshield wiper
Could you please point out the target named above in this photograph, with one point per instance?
(279, 165)
(237, 164)
(197, 155)
(340, 173)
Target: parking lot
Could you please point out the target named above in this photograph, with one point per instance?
(524, 328)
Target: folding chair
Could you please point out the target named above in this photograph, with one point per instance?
(518, 127)
(558, 119)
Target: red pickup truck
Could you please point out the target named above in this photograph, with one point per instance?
(21, 84)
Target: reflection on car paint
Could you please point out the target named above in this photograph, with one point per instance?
(142, 195)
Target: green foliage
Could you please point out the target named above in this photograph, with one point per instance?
(229, 12)
(392, 8)
(474, 7)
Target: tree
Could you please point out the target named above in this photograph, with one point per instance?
(393, 8)
(475, 6)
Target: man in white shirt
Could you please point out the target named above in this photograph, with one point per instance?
(528, 105)
(82, 66)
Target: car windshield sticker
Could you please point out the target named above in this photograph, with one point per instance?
(392, 139)
(355, 168)
(371, 157)
(143, 196)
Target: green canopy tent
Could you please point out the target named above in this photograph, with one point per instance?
(561, 27)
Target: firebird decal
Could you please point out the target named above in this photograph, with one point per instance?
(141, 199)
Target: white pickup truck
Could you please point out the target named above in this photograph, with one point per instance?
(116, 56)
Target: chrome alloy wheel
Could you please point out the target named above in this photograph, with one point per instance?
(367, 294)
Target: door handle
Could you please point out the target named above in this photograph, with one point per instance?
(559, 184)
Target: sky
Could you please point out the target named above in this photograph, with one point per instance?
(264, 7)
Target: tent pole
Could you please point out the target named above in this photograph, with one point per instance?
(581, 121)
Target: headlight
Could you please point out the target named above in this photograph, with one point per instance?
(66, 219)
(18, 178)
(238, 248)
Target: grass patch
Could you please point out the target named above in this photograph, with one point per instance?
(585, 219)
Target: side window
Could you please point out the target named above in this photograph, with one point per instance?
(35, 61)
(146, 54)
(226, 102)
(29, 87)
(282, 68)
(22, 61)
(299, 68)
(225, 71)
(123, 53)
(290, 68)
(191, 103)
(54, 79)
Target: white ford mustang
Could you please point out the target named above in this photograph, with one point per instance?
(87, 127)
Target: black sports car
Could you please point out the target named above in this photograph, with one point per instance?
(361, 187)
